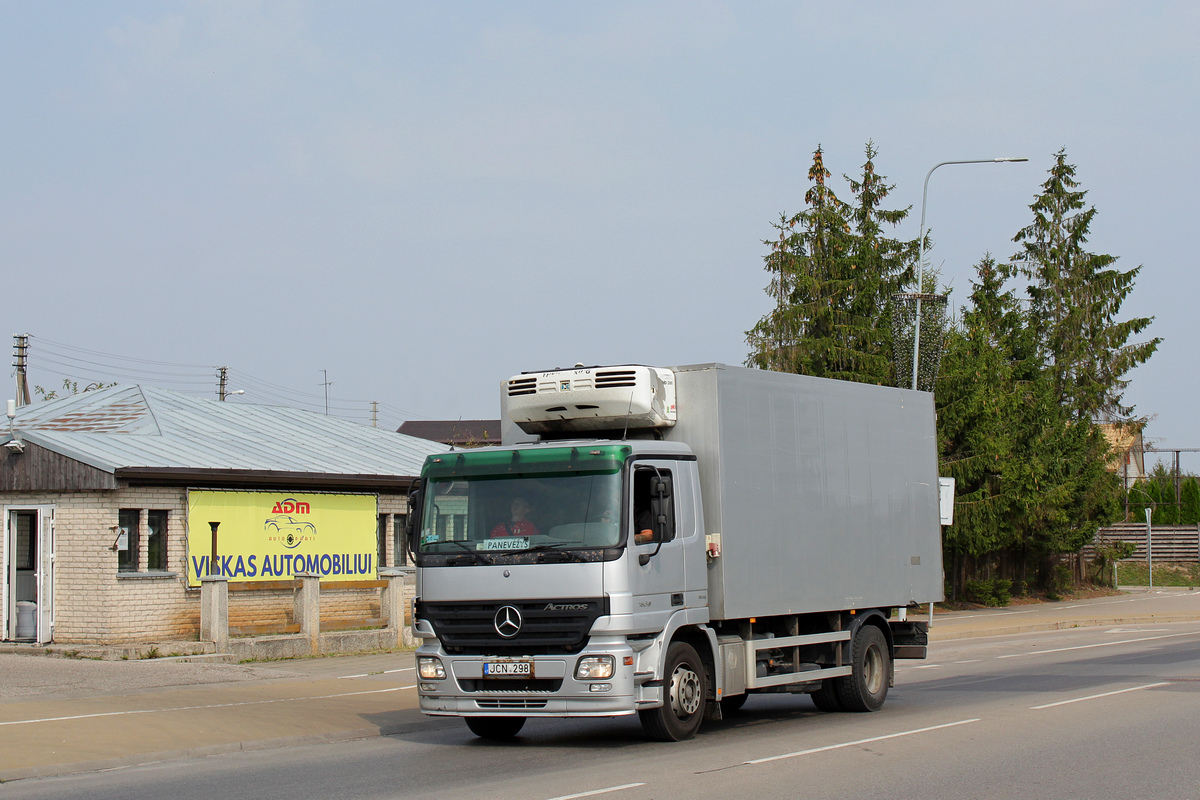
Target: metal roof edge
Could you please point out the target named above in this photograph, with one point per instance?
(260, 478)
(50, 443)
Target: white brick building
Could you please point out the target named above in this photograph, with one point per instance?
(95, 504)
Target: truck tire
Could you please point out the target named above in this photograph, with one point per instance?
(683, 697)
(866, 688)
(826, 698)
(495, 727)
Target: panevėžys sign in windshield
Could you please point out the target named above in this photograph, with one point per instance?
(270, 536)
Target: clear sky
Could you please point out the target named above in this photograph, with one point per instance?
(424, 199)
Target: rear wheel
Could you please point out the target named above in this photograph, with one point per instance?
(826, 698)
(495, 727)
(683, 697)
(866, 688)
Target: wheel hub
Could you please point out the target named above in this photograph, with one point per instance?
(686, 694)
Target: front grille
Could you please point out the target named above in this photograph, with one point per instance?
(507, 685)
(510, 702)
(469, 628)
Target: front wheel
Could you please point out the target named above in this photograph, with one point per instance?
(495, 727)
(683, 702)
(866, 688)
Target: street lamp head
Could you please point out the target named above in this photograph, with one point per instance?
(999, 160)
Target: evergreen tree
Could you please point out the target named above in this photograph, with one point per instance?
(881, 266)
(1076, 299)
(833, 273)
(976, 409)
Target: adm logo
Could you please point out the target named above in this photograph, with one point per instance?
(290, 531)
(566, 607)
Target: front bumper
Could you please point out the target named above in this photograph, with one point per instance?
(554, 692)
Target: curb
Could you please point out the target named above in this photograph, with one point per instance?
(935, 636)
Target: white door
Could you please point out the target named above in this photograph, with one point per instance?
(45, 576)
(28, 576)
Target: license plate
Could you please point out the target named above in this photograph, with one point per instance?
(508, 669)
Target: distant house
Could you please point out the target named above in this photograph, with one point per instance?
(115, 502)
(1127, 451)
(458, 433)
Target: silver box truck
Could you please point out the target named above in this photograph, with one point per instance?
(666, 542)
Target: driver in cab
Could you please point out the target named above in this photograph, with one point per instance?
(519, 526)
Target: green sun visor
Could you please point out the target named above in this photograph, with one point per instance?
(598, 459)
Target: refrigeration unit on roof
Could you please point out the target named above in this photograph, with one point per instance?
(592, 399)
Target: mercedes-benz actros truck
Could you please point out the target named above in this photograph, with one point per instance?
(666, 542)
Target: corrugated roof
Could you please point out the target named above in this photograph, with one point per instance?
(146, 427)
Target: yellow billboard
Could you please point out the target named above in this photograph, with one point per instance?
(271, 536)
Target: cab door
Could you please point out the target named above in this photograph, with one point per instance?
(657, 584)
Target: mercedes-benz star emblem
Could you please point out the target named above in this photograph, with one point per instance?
(508, 622)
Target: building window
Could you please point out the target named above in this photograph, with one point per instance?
(381, 541)
(127, 540)
(156, 541)
(400, 540)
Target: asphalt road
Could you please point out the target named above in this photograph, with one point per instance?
(1096, 713)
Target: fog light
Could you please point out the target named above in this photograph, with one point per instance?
(592, 668)
(600, 687)
(430, 668)
(428, 687)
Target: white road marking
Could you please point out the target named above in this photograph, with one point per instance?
(860, 741)
(200, 708)
(1096, 696)
(381, 672)
(927, 666)
(597, 791)
(969, 661)
(1101, 644)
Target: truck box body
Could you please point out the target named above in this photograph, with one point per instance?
(824, 493)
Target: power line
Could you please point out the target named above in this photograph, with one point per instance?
(81, 363)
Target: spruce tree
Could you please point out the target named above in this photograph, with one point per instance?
(977, 405)
(881, 266)
(832, 275)
(1076, 299)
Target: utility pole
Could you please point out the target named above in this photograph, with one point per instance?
(222, 382)
(21, 364)
(326, 384)
(374, 413)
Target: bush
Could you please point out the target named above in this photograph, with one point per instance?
(989, 592)
(1061, 582)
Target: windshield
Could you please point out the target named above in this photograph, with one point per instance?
(532, 513)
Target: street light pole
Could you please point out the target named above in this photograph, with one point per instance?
(925, 196)
(921, 245)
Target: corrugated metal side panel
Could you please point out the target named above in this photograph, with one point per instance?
(824, 492)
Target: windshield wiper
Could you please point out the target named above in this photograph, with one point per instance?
(479, 557)
(555, 548)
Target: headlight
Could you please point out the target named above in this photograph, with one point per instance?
(430, 669)
(594, 668)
